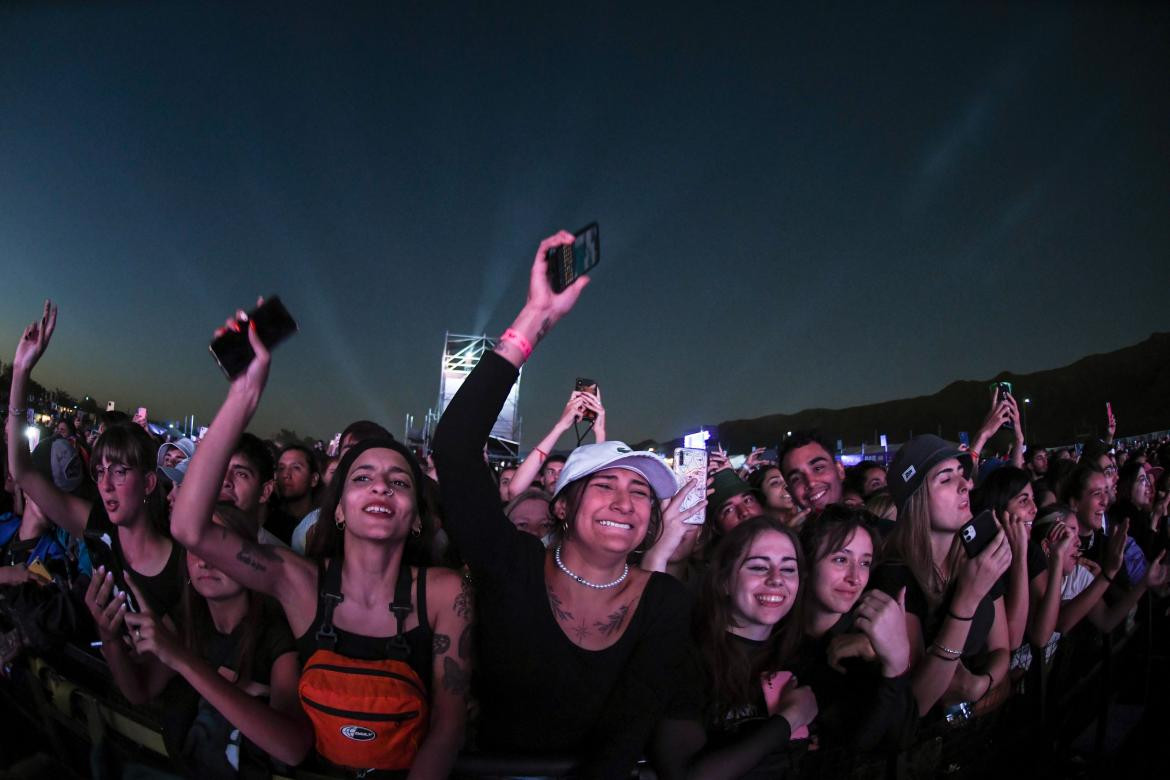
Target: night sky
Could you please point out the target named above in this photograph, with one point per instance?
(798, 206)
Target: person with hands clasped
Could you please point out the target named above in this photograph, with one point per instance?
(747, 626)
(533, 466)
(580, 654)
(237, 655)
(375, 635)
(130, 513)
(955, 617)
(867, 702)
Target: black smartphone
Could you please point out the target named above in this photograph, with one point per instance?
(273, 324)
(1004, 388)
(101, 553)
(587, 386)
(978, 532)
(569, 261)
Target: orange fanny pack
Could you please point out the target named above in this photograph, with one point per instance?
(366, 714)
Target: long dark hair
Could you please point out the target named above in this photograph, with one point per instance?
(197, 625)
(733, 671)
(1000, 487)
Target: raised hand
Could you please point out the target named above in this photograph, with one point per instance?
(541, 296)
(977, 575)
(882, 619)
(35, 340)
(251, 382)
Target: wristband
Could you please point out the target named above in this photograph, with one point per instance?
(521, 343)
(543, 454)
(974, 454)
(1107, 577)
(956, 617)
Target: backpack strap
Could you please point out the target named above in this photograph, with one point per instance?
(328, 597)
(401, 607)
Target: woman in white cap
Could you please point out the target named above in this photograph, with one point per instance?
(581, 653)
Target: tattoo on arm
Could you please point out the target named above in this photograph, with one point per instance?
(544, 329)
(613, 623)
(255, 555)
(464, 603)
(440, 643)
(562, 614)
(455, 678)
(465, 642)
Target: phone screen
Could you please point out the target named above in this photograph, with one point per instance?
(692, 463)
(587, 386)
(273, 324)
(569, 261)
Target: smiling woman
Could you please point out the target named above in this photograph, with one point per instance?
(581, 653)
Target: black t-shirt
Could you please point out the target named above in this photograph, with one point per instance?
(539, 692)
(890, 577)
(860, 709)
(280, 524)
(204, 743)
(161, 591)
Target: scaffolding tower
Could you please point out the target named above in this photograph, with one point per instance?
(461, 354)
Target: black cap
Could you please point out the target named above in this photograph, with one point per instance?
(912, 462)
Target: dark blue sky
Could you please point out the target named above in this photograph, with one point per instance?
(799, 206)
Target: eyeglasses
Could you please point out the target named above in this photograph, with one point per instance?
(117, 474)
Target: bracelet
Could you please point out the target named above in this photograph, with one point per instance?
(956, 617)
(951, 654)
(974, 454)
(1107, 577)
(522, 344)
(16, 410)
(543, 454)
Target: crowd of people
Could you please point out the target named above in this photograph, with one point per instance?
(376, 612)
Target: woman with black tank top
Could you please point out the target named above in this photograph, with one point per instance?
(581, 653)
(129, 515)
(361, 607)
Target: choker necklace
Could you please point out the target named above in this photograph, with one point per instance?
(582, 580)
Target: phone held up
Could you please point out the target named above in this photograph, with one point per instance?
(273, 324)
(569, 261)
(690, 463)
(1002, 389)
(978, 532)
(587, 386)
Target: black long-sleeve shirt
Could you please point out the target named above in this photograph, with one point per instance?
(539, 692)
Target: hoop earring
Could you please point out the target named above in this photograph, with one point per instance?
(416, 532)
(340, 524)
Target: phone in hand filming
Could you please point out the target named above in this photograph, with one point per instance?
(569, 261)
(273, 325)
(690, 463)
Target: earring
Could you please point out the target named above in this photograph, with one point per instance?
(340, 524)
(416, 532)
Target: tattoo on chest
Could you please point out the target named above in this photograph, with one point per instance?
(440, 643)
(455, 677)
(562, 615)
(465, 602)
(613, 623)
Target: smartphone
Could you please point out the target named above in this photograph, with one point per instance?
(688, 463)
(1004, 388)
(978, 532)
(587, 386)
(101, 553)
(273, 324)
(569, 261)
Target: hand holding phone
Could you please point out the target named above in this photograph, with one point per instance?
(568, 262)
(691, 464)
(231, 347)
(584, 385)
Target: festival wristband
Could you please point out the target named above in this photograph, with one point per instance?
(521, 343)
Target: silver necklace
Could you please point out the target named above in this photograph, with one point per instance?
(582, 580)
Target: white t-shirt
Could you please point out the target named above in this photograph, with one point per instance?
(1071, 586)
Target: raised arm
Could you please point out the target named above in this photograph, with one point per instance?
(276, 571)
(529, 470)
(67, 511)
(471, 500)
(1044, 590)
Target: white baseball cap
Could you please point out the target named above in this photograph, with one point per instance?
(592, 458)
